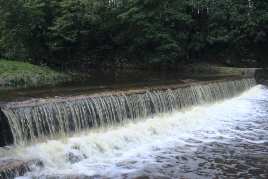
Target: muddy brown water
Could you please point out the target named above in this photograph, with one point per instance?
(229, 140)
(238, 150)
(225, 140)
(98, 81)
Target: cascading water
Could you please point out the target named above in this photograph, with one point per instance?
(33, 123)
(186, 131)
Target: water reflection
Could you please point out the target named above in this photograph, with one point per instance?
(101, 80)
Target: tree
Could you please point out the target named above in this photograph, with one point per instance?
(151, 30)
(237, 24)
(147, 32)
(21, 29)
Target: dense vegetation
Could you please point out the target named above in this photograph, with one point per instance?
(140, 33)
(23, 74)
(208, 69)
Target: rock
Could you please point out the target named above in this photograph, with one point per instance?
(6, 136)
(257, 73)
(265, 82)
(12, 169)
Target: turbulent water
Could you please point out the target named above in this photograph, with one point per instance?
(224, 140)
(55, 119)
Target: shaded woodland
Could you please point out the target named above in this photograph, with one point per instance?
(130, 33)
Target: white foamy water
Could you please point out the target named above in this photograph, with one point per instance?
(157, 147)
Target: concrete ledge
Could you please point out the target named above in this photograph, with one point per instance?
(15, 168)
(39, 102)
(257, 73)
(7, 138)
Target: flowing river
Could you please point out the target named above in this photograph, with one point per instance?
(227, 139)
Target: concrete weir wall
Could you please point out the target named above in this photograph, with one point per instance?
(18, 168)
(27, 106)
(257, 73)
(6, 137)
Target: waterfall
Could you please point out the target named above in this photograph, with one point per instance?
(50, 119)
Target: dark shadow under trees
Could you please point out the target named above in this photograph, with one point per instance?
(130, 33)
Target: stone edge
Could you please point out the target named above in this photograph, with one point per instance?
(257, 73)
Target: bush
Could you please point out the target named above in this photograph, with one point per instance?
(20, 74)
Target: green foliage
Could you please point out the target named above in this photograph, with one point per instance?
(103, 32)
(83, 29)
(238, 24)
(20, 74)
(207, 69)
(22, 23)
(158, 30)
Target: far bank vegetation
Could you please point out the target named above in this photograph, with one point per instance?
(130, 33)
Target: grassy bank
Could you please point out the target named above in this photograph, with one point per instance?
(209, 69)
(22, 74)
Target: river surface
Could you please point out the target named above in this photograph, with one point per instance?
(108, 80)
(223, 140)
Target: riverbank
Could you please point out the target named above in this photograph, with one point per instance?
(212, 69)
(19, 74)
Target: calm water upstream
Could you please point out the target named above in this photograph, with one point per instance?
(102, 81)
(227, 139)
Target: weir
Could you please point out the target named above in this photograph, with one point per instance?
(31, 122)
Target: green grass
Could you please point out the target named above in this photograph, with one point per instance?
(14, 73)
(208, 69)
